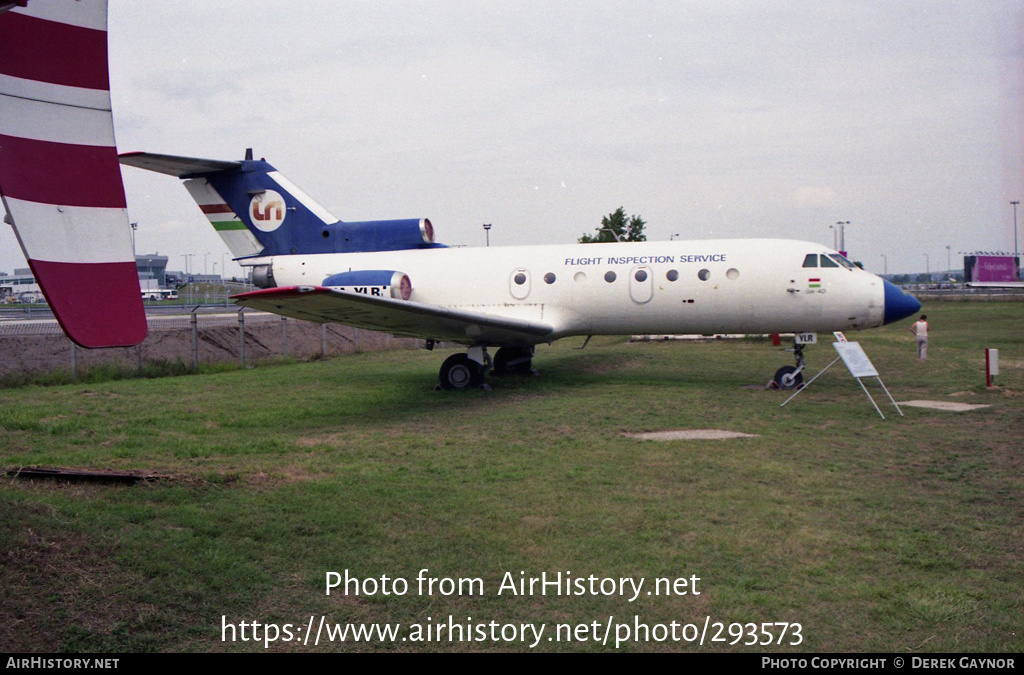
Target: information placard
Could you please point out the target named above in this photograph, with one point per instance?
(857, 362)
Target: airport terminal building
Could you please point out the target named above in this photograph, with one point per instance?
(21, 286)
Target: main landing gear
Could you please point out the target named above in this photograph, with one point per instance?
(467, 371)
(459, 371)
(790, 377)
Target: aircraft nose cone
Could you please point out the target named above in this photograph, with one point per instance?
(898, 304)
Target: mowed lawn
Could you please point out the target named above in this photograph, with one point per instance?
(897, 535)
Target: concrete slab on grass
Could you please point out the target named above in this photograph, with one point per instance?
(951, 406)
(690, 435)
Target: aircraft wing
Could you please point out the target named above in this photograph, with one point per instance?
(400, 317)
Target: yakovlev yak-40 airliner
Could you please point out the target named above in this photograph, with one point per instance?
(61, 186)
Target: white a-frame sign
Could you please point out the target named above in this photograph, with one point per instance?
(860, 366)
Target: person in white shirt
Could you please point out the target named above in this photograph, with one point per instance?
(920, 331)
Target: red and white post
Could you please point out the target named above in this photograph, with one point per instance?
(991, 365)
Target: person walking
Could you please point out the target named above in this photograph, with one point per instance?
(920, 331)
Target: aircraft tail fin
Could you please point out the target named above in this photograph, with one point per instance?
(255, 209)
(60, 182)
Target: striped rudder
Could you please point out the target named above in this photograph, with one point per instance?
(59, 175)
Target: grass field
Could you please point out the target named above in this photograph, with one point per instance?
(896, 535)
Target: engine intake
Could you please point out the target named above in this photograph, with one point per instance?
(263, 276)
(378, 235)
(382, 283)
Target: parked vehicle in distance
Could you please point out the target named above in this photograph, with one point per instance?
(160, 294)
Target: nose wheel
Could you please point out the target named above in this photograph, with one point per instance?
(790, 377)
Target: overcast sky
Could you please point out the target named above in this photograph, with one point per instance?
(708, 119)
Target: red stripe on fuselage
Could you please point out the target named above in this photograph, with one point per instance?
(48, 51)
(97, 304)
(60, 173)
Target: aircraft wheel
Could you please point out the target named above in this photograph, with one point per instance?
(513, 361)
(459, 372)
(786, 377)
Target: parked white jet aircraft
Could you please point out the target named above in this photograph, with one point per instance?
(62, 190)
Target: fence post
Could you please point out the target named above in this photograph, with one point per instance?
(195, 340)
(241, 336)
(74, 362)
(356, 330)
(323, 340)
(284, 336)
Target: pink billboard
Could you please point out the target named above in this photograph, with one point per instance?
(982, 268)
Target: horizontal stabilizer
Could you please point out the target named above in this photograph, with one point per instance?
(399, 317)
(172, 165)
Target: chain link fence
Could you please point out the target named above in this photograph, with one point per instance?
(33, 345)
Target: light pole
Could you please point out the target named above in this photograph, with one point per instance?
(135, 226)
(672, 237)
(842, 236)
(927, 266)
(1015, 253)
(835, 237)
(188, 274)
(949, 261)
(487, 231)
(885, 264)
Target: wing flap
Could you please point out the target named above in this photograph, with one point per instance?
(400, 317)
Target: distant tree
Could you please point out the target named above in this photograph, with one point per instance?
(626, 229)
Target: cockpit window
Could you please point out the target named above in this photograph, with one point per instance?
(828, 262)
(811, 260)
(841, 260)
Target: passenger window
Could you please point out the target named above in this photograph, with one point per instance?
(811, 260)
(609, 276)
(704, 275)
(672, 275)
(827, 262)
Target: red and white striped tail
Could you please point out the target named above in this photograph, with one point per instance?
(59, 175)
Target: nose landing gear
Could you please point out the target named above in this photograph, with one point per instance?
(791, 377)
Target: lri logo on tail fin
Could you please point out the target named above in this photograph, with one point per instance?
(267, 210)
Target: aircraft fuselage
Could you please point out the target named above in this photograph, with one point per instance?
(703, 286)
